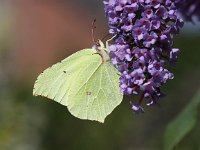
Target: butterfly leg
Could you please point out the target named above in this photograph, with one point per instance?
(107, 43)
(103, 55)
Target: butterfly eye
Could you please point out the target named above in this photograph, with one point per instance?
(98, 44)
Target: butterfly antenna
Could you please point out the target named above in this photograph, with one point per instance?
(93, 29)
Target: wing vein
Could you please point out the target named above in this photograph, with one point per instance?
(88, 78)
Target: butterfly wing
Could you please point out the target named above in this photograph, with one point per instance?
(89, 88)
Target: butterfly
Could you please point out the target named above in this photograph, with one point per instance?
(86, 82)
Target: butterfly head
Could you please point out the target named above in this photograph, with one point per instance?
(98, 45)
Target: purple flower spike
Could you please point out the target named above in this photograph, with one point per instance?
(143, 44)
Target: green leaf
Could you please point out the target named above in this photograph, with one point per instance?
(88, 87)
(182, 124)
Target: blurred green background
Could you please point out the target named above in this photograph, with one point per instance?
(34, 34)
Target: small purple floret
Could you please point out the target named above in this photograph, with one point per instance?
(137, 108)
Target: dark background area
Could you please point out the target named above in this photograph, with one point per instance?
(34, 34)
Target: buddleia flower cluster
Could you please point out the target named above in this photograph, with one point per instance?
(143, 45)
